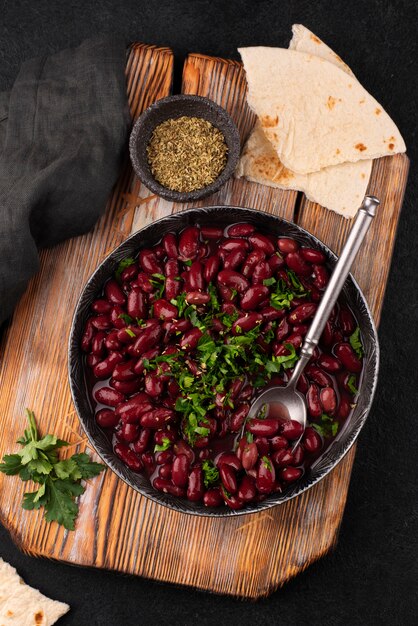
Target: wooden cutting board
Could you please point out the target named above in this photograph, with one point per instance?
(247, 556)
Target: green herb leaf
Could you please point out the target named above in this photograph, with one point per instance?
(355, 342)
(130, 332)
(327, 427)
(210, 473)
(188, 262)
(163, 446)
(123, 265)
(126, 318)
(351, 384)
(59, 480)
(269, 281)
(250, 437)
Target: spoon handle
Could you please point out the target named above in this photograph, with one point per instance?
(364, 217)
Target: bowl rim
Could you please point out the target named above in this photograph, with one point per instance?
(197, 194)
(181, 504)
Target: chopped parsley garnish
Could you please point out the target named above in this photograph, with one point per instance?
(158, 281)
(123, 265)
(126, 318)
(356, 344)
(351, 385)
(166, 443)
(269, 281)
(327, 427)
(249, 436)
(59, 481)
(130, 332)
(266, 462)
(210, 473)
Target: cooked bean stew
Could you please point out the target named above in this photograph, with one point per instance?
(183, 338)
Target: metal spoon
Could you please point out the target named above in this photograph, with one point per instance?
(288, 402)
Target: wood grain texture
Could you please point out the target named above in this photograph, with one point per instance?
(246, 556)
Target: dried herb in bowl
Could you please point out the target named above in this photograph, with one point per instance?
(186, 153)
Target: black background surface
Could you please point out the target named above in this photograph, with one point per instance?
(371, 578)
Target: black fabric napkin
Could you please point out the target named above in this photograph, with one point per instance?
(63, 128)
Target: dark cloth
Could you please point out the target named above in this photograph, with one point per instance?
(63, 128)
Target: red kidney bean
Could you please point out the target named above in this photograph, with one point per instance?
(195, 297)
(313, 402)
(128, 457)
(131, 410)
(165, 310)
(212, 498)
(105, 368)
(313, 256)
(230, 245)
(180, 470)
(249, 455)
(195, 487)
(318, 376)
(196, 276)
(148, 460)
(128, 432)
(147, 340)
(164, 471)
(101, 306)
(204, 454)
(144, 282)
(92, 360)
(263, 445)
(267, 427)
(228, 458)
(270, 314)
(238, 416)
(101, 322)
(346, 321)
(189, 243)
(232, 500)
(226, 294)
(302, 312)
(321, 276)
(266, 475)
(297, 263)
(329, 363)
(228, 478)
(283, 329)
(157, 418)
(235, 387)
(149, 263)
(171, 268)
(190, 339)
(253, 297)
(294, 339)
(240, 230)
(124, 371)
(300, 329)
(172, 288)
(112, 342)
(136, 305)
(160, 436)
(252, 260)
(311, 440)
(166, 486)
(211, 232)
(276, 261)
(106, 418)
(291, 429)
(261, 242)
(328, 400)
(170, 245)
(163, 457)
(247, 489)
(290, 474)
(114, 293)
(181, 447)
(98, 343)
(344, 407)
(298, 455)
(211, 268)
(117, 316)
(261, 272)
(149, 354)
(345, 353)
(326, 337)
(282, 457)
(343, 378)
(246, 323)
(128, 334)
(278, 442)
(286, 245)
(154, 385)
(143, 440)
(129, 273)
(234, 259)
(233, 280)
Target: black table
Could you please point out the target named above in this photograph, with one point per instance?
(371, 577)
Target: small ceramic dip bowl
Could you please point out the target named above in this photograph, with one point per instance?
(175, 107)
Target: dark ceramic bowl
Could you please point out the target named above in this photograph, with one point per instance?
(146, 238)
(172, 108)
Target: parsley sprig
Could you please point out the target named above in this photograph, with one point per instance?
(59, 481)
(327, 427)
(355, 342)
